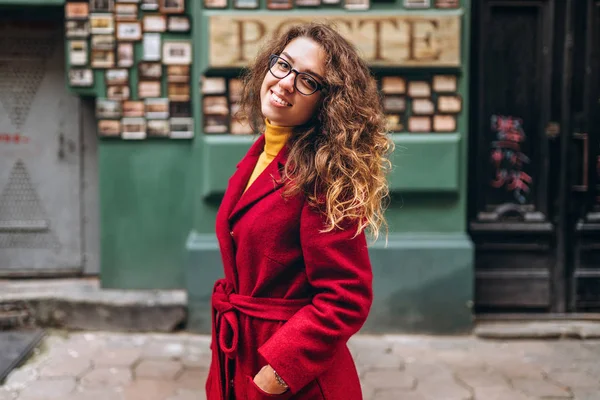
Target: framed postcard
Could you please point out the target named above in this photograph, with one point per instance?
(102, 24)
(155, 23)
(215, 124)
(393, 104)
(108, 109)
(77, 29)
(212, 85)
(102, 5)
(109, 127)
(444, 123)
(182, 128)
(178, 73)
(118, 92)
(149, 70)
(103, 59)
(417, 3)
(239, 127)
(215, 105)
(81, 77)
(129, 31)
(445, 83)
(178, 23)
(149, 89)
(419, 89)
(177, 52)
(125, 55)
(235, 89)
(394, 123)
(126, 12)
(419, 124)
(78, 52)
(157, 108)
(149, 5)
(77, 10)
(356, 4)
(447, 3)
(449, 104)
(215, 3)
(422, 106)
(311, 3)
(127, 1)
(151, 47)
(116, 76)
(180, 109)
(133, 128)
(172, 6)
(331, 2)
(158, 128)
(245, 4)
(178, 91)
(393, 85)
(103, 42)
(133, 108)
(279, 4)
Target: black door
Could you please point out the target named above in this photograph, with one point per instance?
(533, 199)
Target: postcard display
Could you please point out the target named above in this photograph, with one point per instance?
(418, 101)
(135, 57)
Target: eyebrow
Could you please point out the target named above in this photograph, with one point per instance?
(308, 70)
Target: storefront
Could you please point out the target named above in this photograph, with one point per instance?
(159, 80)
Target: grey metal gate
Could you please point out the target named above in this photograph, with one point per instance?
(40, 159)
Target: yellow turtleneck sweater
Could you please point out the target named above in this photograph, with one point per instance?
(275, 139)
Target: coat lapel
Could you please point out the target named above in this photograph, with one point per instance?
(267, 182)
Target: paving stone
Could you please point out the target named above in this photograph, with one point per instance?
(158, 369)
(389, 379)
(65, 367)
(397, 395)
(196, 360)
(540, 388)
(106, 377)
(477, 378)
(163, 349)
(586, 394)
(371, 361)
(429, 370)
(517, 369)
(48, 389)
(499, 393)
(184, 394)
(125, 357)
(575, 379)
(7, 395)
(18, 379)
(149, 390)
(436, 389)
(96, 394)
(193, 379)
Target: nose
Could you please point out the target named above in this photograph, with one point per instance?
(287, 83)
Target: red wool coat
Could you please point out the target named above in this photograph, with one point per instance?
(291, 296)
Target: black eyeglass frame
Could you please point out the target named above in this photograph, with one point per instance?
(320, 86)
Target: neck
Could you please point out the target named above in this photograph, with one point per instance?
(275, 137)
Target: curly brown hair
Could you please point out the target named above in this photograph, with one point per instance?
(338, 159)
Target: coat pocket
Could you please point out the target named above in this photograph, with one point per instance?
(253, 392)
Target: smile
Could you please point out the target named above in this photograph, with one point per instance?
(278, 100)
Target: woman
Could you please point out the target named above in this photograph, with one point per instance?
(291, 224)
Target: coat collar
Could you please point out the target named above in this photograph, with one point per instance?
(267, 182)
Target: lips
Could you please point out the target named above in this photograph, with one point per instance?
(279, 100)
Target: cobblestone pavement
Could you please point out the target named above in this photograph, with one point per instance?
(109, 366)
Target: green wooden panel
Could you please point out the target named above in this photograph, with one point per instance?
(32, 2)
(145, 209)
(421, 283)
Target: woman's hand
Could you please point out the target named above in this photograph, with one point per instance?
(265, 380)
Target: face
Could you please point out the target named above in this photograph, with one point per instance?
(281, 103)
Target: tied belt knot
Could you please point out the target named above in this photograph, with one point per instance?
(226, 307)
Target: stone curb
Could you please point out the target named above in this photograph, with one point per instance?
(538, 330)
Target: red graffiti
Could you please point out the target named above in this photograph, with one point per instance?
(15, 138)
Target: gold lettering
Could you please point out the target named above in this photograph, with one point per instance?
(243, 40)
(415, 41)
(377, 24)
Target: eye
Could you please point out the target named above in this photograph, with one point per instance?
(282, 65)
(309, 82)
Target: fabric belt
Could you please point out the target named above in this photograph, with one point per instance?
(226, 306)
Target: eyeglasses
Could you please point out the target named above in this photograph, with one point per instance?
(304, 83)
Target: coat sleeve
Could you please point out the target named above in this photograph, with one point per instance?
(338, 267)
